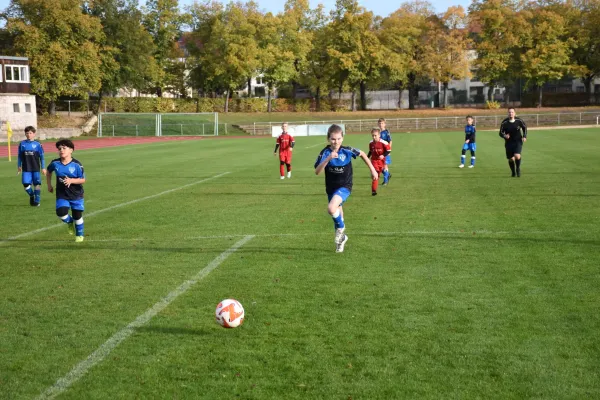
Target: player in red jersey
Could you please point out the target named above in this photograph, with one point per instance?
(285, 144)
(378, 150)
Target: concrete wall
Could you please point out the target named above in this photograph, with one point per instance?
(18, 120)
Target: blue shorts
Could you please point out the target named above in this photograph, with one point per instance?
(29, 178)
(470, 146)
(343, 192)
(388, 160)
(73, 204)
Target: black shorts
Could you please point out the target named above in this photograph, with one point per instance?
(513, 148)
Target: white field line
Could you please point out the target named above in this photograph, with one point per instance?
(416, 232)
(104, 350)
(113, 207)
(318, 144)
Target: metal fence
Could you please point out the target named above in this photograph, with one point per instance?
(433, 123)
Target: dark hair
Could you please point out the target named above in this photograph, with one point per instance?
(334, 129)
(29, 129)
(66, 143)
(511, 108)
(469, 116)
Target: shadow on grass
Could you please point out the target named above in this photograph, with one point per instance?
(173, 330)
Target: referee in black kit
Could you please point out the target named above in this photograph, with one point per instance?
(514, 132)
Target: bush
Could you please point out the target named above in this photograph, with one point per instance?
(492, 105)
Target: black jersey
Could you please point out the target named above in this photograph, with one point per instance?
(73, 169)
(516, 129)
(338, 171)
(31, 156)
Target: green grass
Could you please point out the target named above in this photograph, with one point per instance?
(454, 283)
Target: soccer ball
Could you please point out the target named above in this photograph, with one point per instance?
(229, 313)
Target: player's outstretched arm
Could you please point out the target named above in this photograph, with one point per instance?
(374, 173)
(324, 163)
(49, 181)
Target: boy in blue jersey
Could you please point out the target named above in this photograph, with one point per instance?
(336, 161)
(69, 187)
(386, 137)
(469, 143)
(29, 161)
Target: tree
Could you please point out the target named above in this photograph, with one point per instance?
(356, 52)
(583, 27)
(545, 54)
(447, 47)
(497, 30)
(225, 49)
(405, 34)
(64, 47)
(133, 46)
(163, 21)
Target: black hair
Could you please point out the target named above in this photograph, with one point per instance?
(29, 129)
(65, 142)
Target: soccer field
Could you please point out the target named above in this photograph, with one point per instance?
(455, 283)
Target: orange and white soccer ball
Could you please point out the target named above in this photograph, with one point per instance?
(229, 313)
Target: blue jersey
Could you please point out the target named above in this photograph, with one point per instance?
(386, 135)
(31, 156)
(470, 133)
(338, 171)
(74, 169)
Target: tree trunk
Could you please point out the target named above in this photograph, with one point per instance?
(318, 98)
(353, 100)
(99, 102)
(363, 95)
(491, 92)
(294, 89)
(52, 107)
(445, 94)
(589, 84)
(268, 98)
(227, 101)
(540, 100)
(249, 87)
(159, 91)
(412, 93)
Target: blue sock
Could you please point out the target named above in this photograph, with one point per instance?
(386, 176)
(338, 221)
(37, 195)
(473, 160)
(79, 227)
(29, 191)
(462, 159)
(67, 220)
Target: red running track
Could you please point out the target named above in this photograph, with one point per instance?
(104, 142)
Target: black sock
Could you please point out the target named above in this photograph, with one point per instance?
(511, 164)
(518, 162)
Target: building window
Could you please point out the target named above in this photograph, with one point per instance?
(27, 107)
(16, 107)
(580, 89)
(259, 80)
(16, 73)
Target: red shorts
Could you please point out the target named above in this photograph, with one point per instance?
(285, 156)
(379, 165)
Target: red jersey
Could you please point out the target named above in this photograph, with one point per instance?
(377, 149)
(285, 141)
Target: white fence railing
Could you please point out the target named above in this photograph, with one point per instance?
(433, 123)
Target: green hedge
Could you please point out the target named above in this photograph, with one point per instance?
(248, 105)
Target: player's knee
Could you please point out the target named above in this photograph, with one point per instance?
(472, 154)
(464, 152)
(281, 162)
(62, 212)
(26, 186)
(78, 215)
(331, 209)
(517, 156)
